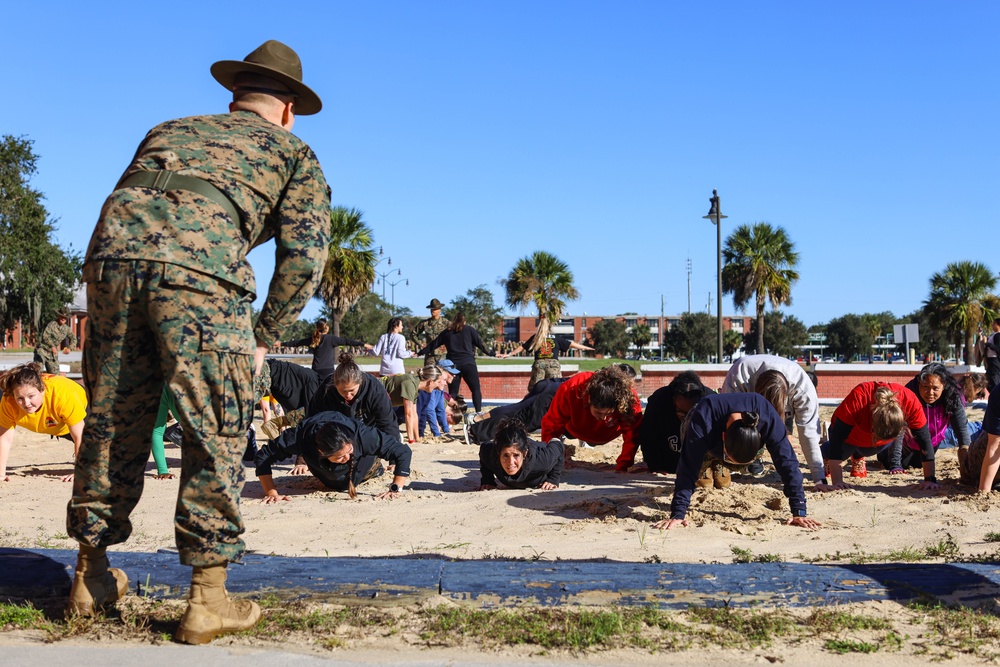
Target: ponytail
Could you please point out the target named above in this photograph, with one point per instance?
(888, 419)
(742, 439)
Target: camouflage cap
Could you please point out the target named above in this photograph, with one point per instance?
(277, 61)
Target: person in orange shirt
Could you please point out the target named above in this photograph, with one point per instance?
(49, 404)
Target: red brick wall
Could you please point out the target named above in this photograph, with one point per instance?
(835, 380)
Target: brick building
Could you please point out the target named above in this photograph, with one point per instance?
(519, 329)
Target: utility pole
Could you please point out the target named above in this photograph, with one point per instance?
(689, 283)
(660, 328)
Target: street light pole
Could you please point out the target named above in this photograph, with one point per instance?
(393, 285)
(715, 215)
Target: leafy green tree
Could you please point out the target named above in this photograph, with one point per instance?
(760, 266)
(609, 337)
(349, 271)
(367, 319)
(300, 329)
(544, 280)
(480, 312)
(693, 337)
(732, 341)
(37, 276)
(933, 339)
(847, 336)
(641, 336)
(960, 301)
(783, 335)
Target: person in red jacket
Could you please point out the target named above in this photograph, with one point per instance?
(866, 422)
(597, 408)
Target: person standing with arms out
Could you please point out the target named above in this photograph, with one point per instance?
(324, 347)
(989, 347)
(169, 291)
(426, 331)
(460, 340)
(546, 350)
(391, 346)
(52, 337)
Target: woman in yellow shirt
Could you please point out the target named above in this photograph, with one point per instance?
(48, 404)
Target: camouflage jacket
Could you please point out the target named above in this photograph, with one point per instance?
(272, 177)
(427, 330)
(53, 335)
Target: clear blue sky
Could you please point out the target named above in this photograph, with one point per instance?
(473, 133)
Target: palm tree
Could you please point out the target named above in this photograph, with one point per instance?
(349, 271)
(641, 336)
(962, 300)
(760, 265)
(544, 280)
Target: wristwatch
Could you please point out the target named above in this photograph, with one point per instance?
(394, 488)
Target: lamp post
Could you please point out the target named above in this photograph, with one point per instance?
(715, 215)
(393, 285)
(382, 276)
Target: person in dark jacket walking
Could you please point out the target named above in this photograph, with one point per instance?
(323, 346)
(518, 462)
(460, 340)
(340, 451)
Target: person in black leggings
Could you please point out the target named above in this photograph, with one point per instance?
(461, 340)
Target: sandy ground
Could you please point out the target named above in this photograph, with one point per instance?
(594, 514)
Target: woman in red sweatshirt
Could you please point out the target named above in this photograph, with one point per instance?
(597, 408)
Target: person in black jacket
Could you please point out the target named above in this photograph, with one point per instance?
(528, 411)
(460, 340)
(660, 432)
(340, 451)
(323, 346)
(520, 463)
(354, 393)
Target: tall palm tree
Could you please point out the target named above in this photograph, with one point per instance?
(760, 265)
(544, 280)
(349, 271)
(962, 300)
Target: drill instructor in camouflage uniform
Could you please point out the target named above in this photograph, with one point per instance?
(52, 337)
(427, 330)
(169, 292)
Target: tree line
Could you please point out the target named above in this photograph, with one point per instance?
(37, 277)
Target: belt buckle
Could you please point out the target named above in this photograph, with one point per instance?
(162, 179)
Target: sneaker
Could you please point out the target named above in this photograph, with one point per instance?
(756, 468)
(250, 453)
(469, 418)
(465, 432)
(859, 468)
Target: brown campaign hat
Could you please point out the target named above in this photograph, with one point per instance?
(275, 60)
(435, 305)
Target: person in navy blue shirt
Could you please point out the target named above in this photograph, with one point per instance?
(733, 429)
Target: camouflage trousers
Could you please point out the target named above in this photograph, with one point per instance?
(544, 369)
(152, 324)
(46, 357)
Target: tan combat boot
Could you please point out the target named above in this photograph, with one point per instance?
(95, 585)
(210, 612)
(704, 480)
(720, 476)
